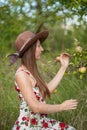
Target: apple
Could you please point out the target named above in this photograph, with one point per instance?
(78, 49)
(57, 59)
(63, 55)
(66, 54)
(82, 69)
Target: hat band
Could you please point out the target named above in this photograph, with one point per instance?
(26, 43)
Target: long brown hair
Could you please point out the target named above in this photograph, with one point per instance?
(28, 60)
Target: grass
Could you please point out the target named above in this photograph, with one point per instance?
(71, 86)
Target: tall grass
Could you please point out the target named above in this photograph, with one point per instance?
(70, 87)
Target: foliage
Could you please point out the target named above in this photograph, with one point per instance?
(17, 16)
(57, 16)
(78, 62)
(70, 87)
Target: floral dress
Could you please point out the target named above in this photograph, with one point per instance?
(28, 120)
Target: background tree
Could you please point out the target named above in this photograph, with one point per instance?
(67, 24)
(19, 15)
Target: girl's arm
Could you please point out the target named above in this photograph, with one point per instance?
(25, 86)
(64, 59)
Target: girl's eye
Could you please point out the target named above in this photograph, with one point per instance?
(39, 45)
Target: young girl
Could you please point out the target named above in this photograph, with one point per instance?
(33, 90)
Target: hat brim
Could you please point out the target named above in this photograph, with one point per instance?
(39, 36)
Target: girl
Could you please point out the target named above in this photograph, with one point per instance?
(33, 90)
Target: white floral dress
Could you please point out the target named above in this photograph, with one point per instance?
(28, 120)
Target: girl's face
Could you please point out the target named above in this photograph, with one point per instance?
(38, 50)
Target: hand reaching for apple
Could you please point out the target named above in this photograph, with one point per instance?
(63, 59)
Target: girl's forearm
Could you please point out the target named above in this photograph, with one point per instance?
(56, 80)
(47, 108)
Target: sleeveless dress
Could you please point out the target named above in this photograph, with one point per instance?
(28, 120)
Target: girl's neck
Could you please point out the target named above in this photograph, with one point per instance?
(24, 67)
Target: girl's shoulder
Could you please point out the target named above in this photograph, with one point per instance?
(22, 69)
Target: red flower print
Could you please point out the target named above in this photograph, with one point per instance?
(62, 128)
(32, 112)
(45, 124)
(35, 93)
(26, 123)
(18, 128)
(20, 97)
(63, 125)
(17, 89)
(28, 72)
(38, 97)
(52, 121)
(27, 118)
(24, 118)
(42, 100)
(17, 122)
(33, 121)
(43, 115)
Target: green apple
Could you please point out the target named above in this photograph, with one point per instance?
(78, 49)
(82, 69)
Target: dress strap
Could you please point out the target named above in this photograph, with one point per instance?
(26, 71)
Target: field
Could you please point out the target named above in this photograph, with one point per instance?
(70, 87)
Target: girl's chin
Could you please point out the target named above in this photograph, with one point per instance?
(37, 58)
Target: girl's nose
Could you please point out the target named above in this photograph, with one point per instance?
(42, 48)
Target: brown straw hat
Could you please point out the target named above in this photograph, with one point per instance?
(27, 38)
(24, 41)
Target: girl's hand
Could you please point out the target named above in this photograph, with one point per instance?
(69, 104)
(64, 59)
